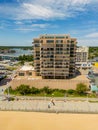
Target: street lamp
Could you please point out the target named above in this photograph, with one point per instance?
(45, 96)
(7, 90)
(8, 87)
(87, 98)
(65, 97)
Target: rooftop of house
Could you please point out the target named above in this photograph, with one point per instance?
(27, 68)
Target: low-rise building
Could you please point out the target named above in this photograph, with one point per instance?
(82, 54)
(25, 71)
(82, 57)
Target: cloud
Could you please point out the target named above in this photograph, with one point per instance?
(25, 29)
(92, 35)
(25, 25)
(18, 22)
(44, 9)
(41, 25)
(33, 27)
(84, 37)
(87, 42)
(37, 11)
(4, 24)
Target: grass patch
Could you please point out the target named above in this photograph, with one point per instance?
(25, 90)
(93, 101)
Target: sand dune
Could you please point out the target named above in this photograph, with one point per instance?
(47, 121)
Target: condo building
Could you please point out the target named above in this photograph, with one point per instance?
(82, 54)
(54, 56)
(82, 57)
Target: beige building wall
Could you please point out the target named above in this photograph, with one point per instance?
(55, 56)
(39, 83)
(82, 54)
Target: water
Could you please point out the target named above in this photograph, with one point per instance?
(22, 52)
(19, 52)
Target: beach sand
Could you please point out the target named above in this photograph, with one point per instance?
(47, 121)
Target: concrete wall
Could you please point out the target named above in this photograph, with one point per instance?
(40, 83)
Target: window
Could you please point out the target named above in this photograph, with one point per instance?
(30, 73)
(49, 37)
(72, 45)
(72, 41)
(36, 45)
(60, 37)
(59, 41)
(36, 41)
(21, 74)
(41, 41)
(68, 45)
(59, 45)
(68, 41)
(50, 41)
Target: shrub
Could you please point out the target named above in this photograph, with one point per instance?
(71, 91)
(60, 90)
(81, 89)
(11, 99)
(46, 90)
(35, 90)
(57, 94)
(23, 89)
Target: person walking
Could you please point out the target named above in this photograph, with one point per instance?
(52, 101)
(49, 105)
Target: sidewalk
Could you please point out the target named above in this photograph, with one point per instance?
(42, 106)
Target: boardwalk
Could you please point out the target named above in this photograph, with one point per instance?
(42, 105)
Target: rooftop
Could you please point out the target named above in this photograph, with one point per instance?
(26, 68)
(82, 49)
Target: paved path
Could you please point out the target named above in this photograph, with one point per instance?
(42, 105)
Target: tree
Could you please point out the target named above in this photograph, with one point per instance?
(46, 90)
(23, 89)
(35, 90)
(70, 91)
(22, 62)
(81, 89)
(26, 58)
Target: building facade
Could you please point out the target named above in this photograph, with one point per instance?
(82, 54)
(26, 70)
(55, 56)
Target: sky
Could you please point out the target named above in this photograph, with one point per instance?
(23, 20)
